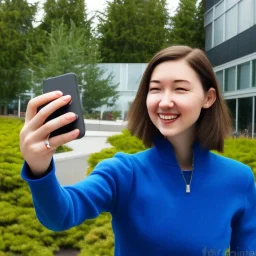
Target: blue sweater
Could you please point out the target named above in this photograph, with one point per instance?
(152, 215)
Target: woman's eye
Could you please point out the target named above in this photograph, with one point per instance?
(180, 88)
(151, 89)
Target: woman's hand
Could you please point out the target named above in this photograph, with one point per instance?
(34, 132)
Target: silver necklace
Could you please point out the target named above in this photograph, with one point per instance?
(188, 185)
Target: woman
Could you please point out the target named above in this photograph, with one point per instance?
(156, 206)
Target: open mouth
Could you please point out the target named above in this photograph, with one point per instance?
(168, 118)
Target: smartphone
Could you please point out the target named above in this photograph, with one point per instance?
(68, 85)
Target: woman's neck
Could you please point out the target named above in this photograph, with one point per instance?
(183, 148)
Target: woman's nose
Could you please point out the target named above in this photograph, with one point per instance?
(166, 101)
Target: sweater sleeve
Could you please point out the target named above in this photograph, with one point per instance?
(62, 207)
(243, 237)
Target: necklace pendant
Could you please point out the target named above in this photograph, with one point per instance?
(187, 188)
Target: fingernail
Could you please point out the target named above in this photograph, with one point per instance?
(59, 93)
(70, 116)
(66, 97)
(70, 102)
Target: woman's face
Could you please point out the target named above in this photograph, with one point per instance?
(175, 98)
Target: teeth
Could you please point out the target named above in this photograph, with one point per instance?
(168, 117)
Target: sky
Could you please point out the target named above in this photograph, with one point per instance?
(99, 5)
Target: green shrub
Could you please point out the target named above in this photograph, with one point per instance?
(94, 115)
(20, 231)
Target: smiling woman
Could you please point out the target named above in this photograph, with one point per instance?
(180, 80)
(176, 93)
(156, 209)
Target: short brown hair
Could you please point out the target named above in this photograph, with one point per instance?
(213, 125)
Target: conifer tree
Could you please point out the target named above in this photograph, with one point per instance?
(187, 24)
(70, 50)
(200, 31)
(66, 11)
(132, 30)
(16, 17)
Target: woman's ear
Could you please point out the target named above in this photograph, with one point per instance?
(210, 98)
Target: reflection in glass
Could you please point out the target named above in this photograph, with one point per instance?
(254, 12)
(114, 69)
(218, 30)
(245, 117)
(208, 17)
(219, 76)
(232, 110)
(219, 9)
(230, 3)
(254, 70)
(208, 37)
(230, 79)
(231, 23)
(243, 76)
(134, 76)
(244, 15)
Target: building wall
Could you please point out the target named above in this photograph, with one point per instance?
(230, 27)
(128, 76)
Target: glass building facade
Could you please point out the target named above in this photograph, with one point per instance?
(128, 76)
(227, 19)
(226, 23)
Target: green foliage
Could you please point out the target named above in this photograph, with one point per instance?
(71, 50)
(67, 11)
(15, 30)
(132, 31)
(98, 91)
(93, 115)
(20, 231)
(188, 24)
(242, 150)
(111, 115)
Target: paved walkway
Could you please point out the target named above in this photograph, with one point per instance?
(71, 166)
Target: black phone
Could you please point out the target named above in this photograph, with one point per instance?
(68, 85)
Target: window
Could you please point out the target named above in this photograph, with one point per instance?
(245, 117)
(244, 15)
(254, 132)
(232, 108)
(254, 74)
(218, 30)
(230, 3)
(219, 9)
(231, 23)
(134, 76)
(123, 78)
(208, 17)
(230, 79)
(208, 37)
(113, 69)
(243, 76)
(254, 3)
(219, 76)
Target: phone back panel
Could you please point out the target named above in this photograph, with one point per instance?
(68, 85)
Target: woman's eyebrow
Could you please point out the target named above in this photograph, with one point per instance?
(155, 81)
(181, 80)
(175, 81)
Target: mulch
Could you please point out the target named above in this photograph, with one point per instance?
(67, 252)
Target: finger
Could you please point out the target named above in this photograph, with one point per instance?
(54, 124)
(46, 111)
(38, 101)
(59, 140)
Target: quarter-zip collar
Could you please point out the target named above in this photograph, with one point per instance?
(164, 150)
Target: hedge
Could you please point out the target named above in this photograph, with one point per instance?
(20, 231)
